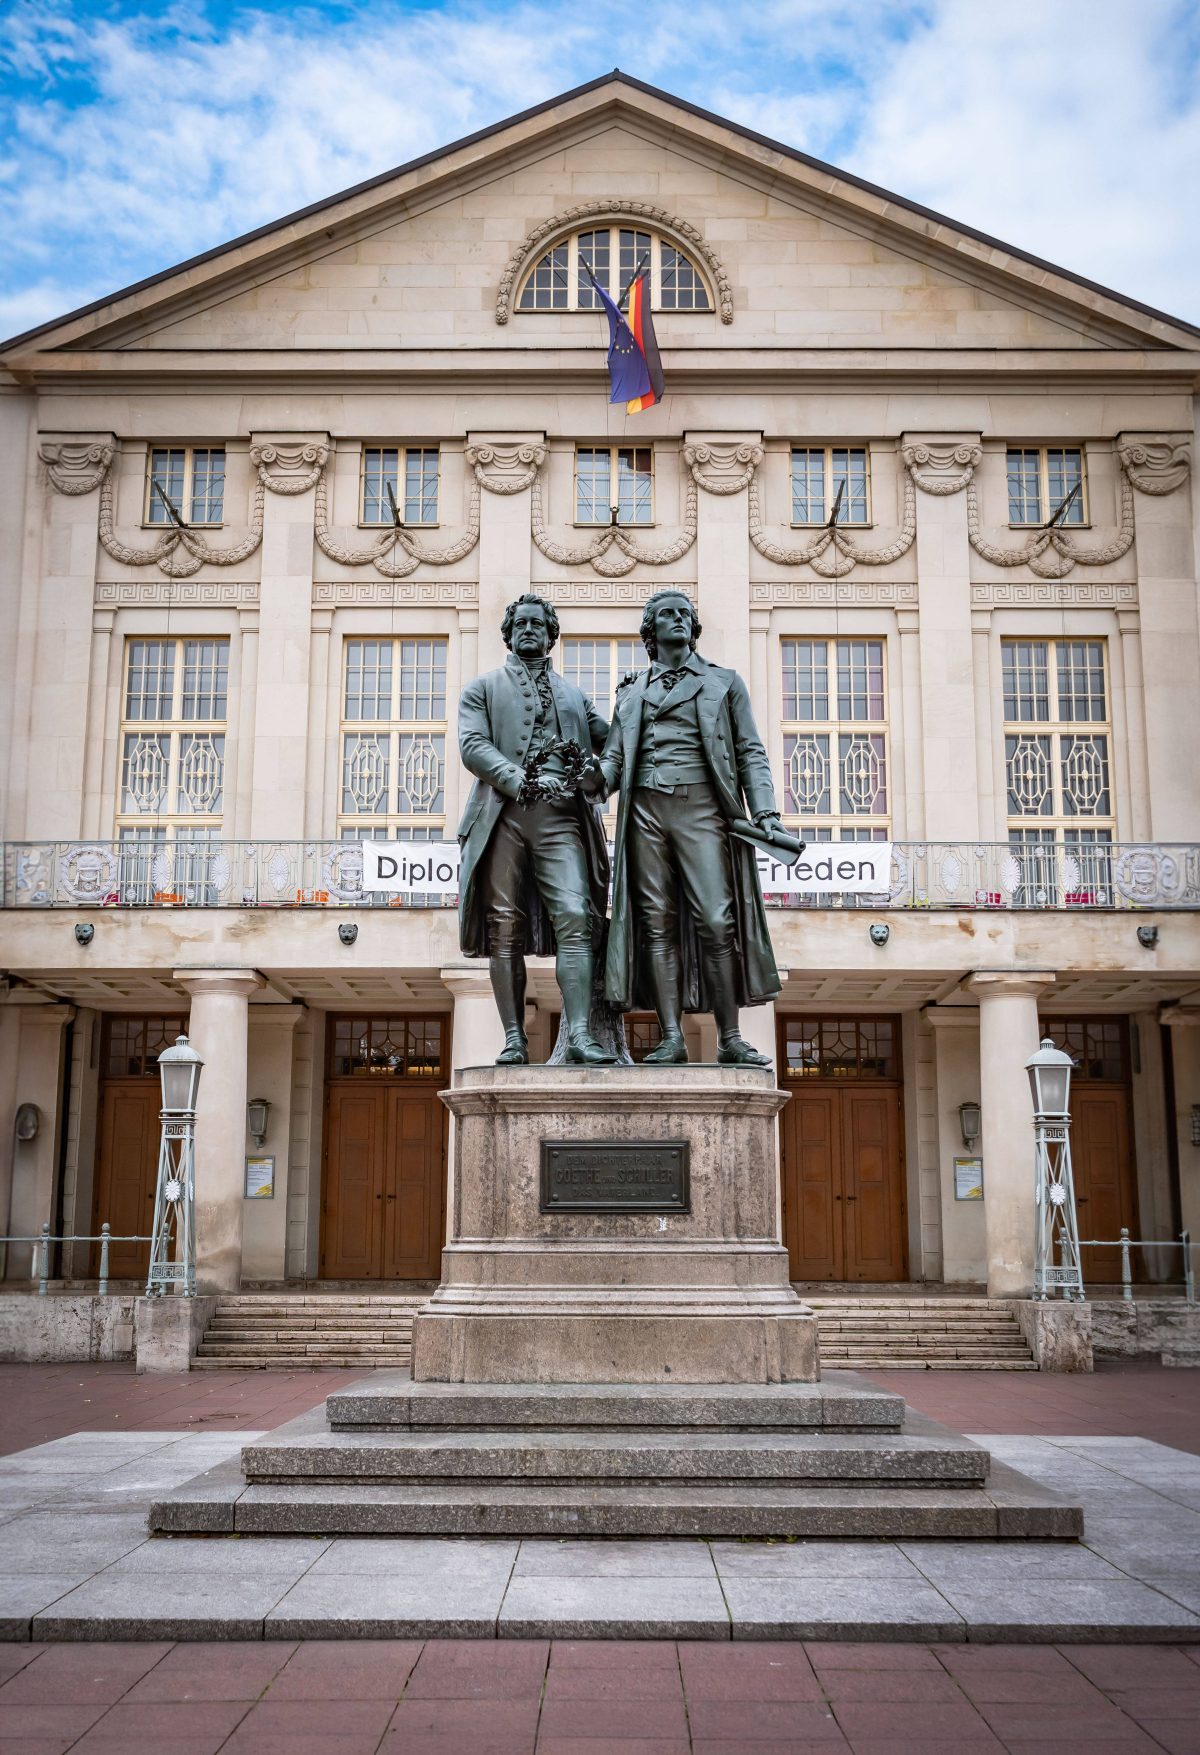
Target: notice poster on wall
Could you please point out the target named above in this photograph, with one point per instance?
(260, 1179)
(968, 1178)
(852, 868)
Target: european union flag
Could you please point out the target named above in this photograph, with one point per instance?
(635, 372)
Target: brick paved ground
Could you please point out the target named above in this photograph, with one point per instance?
(1132, 1398)
(631, 1698)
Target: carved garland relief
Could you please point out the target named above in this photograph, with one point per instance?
(1154, 466)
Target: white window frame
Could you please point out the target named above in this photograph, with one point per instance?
(1079, 516)
(830, 492)
(392, 823)
(402, 453)
(1059, 824)
(614, 452)
(173, 822)
(615, 285)
(155, 515)
(836, 823)
(625, 652)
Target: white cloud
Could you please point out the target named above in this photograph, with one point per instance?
(1068, 128)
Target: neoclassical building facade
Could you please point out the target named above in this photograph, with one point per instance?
(262, 514)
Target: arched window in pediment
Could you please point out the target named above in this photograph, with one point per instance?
(559, 279)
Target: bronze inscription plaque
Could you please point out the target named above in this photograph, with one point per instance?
(626, 1176)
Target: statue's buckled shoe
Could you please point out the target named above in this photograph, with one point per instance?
(736, 1051)
(671, 1051)
(584, 1050)
(515, 1051)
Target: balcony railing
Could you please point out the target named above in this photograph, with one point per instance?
(1064, 876)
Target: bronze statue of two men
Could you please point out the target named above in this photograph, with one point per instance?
(688, 931)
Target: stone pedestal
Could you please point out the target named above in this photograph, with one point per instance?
(695, 1296)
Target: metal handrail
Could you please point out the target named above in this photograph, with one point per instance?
(40, 1265)
(1125, 1243)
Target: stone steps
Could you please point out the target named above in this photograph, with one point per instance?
(932, 1334)
(834, 1458)
(308, 1331)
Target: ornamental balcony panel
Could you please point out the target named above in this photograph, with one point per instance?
(1059, 875)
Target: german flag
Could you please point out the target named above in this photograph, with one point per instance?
(635, 374)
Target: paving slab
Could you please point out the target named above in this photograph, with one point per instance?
(1000, 1562)
(601, 1607)
(1069, 1609)
(25, 1594)
(833, 1608)
(417, 1557)
(614, 1559)
(132, 1605)
(768, 1560)
(367, 1606)
(60, 1541)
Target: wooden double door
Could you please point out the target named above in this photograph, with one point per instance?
(127, 1136)
(383, 1194)
(1102, 1156)
(842, 1161)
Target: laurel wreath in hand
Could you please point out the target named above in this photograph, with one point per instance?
(534, 788)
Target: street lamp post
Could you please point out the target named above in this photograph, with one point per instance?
(173, 1246)
(1054, 1183)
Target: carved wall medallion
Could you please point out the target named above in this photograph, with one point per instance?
(941, 469)
(75, 468)
(176, 593)
(1155, 464)
(618, 210)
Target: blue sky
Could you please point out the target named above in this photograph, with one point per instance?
(132, 136)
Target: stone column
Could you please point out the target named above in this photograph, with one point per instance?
(721, 464)
(101, 724)
(1158, 465)
(476, 1038)
(941, 466)
(1008, 1035)
(272, 1030)
(908, 627)
(219, 1031)
(1138, 789)
(289, 466)
(505, 464)
(319, 812)
(1183, 1024)
(38, 1051)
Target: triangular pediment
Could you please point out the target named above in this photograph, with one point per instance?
(427, 257)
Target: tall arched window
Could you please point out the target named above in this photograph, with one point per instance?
(559, 281)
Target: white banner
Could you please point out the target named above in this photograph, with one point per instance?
(428, 867)
(856, 868)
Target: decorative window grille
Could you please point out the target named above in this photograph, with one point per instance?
(558, 280)
(1057, 743)
(840, 1048)
(597, 665)
(192, 477)
(172, 781)
(1039, 480)
(382, 1047)
(614, 475)
(132, 1045)
(835, 739)
(817, 474)
(411, 475)
(393, 740)
(1098, 1046)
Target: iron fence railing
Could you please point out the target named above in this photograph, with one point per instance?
(1125, 1243)
(975, 875)
(39, 1267)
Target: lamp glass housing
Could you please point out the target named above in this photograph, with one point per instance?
(1050, 1079)
(257, 1111)
(179, 1069)
(970, 1121)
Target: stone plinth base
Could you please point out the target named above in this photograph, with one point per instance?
(698, 1296)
